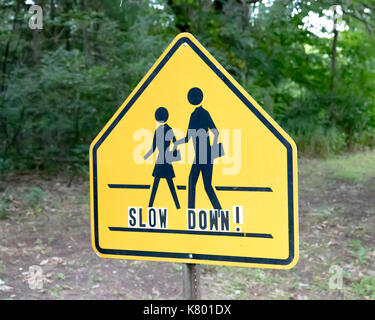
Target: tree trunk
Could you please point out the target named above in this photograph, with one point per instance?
(52, 15)
(85, 35)
(331, 107)
(245, 14)
(37, 38)
(7, 46)
(334, 52)
(68, 5)
(36, 46)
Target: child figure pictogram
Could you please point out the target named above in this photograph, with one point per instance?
(163, 167)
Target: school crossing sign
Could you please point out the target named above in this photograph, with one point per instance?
(191, 169)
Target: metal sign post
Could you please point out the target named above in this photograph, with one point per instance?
(191, 281)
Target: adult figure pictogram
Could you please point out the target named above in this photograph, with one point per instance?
(198, 130)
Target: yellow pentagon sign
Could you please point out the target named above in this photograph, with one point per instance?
(191, 169)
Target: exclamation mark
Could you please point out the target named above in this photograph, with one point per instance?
(238, 217)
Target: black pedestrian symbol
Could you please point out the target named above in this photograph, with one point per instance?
(198, 130)
(163, 167)
(195, 97)
(200, 124)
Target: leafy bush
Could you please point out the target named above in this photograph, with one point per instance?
(33, 197)
(4, 207)
(56, 94)
(366, 287)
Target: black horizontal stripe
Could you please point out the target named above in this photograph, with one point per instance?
(181, 187)
(196, 232)
(129, 186)
(264, 189)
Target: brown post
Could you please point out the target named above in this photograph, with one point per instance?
(191, 281)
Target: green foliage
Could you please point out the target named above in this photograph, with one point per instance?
(58, 89)
(5, 202)
(323, 213)
(32, 197)
(366, 287)
(61, 276)
(348, 169)
(360, 251)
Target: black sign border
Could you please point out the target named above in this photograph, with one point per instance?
(255, 111)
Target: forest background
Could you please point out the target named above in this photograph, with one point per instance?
(309, 64)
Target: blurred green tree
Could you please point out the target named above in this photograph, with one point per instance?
(310, 64)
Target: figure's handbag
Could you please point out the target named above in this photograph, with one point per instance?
(217, 150)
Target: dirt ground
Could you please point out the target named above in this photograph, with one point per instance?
(45, 227)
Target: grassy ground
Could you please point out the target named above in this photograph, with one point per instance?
(44, 222)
